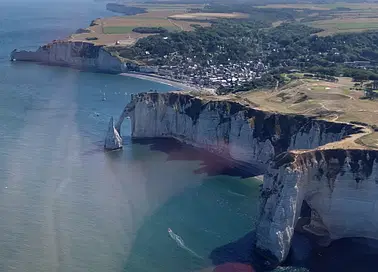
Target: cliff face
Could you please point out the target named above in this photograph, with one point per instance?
(340, 187)
(226, 128)
(80, 55)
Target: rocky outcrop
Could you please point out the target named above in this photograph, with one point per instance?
(81, 55)
(340, 187)
(113, 140)
(229, 129)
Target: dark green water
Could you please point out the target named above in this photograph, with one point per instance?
(65, 205)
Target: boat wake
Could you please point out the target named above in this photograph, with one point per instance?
(180, 243)
(236, 194)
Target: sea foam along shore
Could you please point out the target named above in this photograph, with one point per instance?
(173, 83)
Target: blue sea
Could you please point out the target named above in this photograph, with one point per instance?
(65, 205)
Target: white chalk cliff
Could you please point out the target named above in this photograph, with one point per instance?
(339, 186)
(227, 128)
(113, 140)
(82, 55)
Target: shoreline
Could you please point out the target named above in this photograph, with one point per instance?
(155, 78)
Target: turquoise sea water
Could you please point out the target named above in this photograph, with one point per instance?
(65, 205)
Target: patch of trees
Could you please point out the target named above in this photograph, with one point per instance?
(222, 41)
(360, 74)
(286, 34)
(332, 71)
(346, 47)
(228, 41)
(321, 76)
(295, 44)
(82, 30)
(93, 23)
(328, 55)
(85, 50)
(288, 45)
(126, 10)
(150, 30)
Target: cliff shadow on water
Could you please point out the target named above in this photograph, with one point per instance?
(197, 215)
(238, 252)
(348, 254)
(211, 164)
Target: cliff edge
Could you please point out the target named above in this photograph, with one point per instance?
(340, 187)
(81, 55)
(302, 157)
(227, 128)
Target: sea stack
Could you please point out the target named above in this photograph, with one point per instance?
(113, 140)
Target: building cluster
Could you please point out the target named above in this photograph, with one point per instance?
(207, 74)
(359, 64)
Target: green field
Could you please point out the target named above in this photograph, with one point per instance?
(346, 25)
(118, 29)
(335, 26)
(356, 25)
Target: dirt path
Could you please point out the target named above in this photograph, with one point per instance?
(324, 107)
(335, 119)
(176, 25)
(350, 141)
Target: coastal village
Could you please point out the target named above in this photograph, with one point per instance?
(210, 75)
(194, 71)
(204, 69)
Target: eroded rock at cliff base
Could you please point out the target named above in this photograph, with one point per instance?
(340, 186)
(113, 140)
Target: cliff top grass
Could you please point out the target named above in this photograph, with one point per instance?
(338, 101)
(119, 29)
(341, 101)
